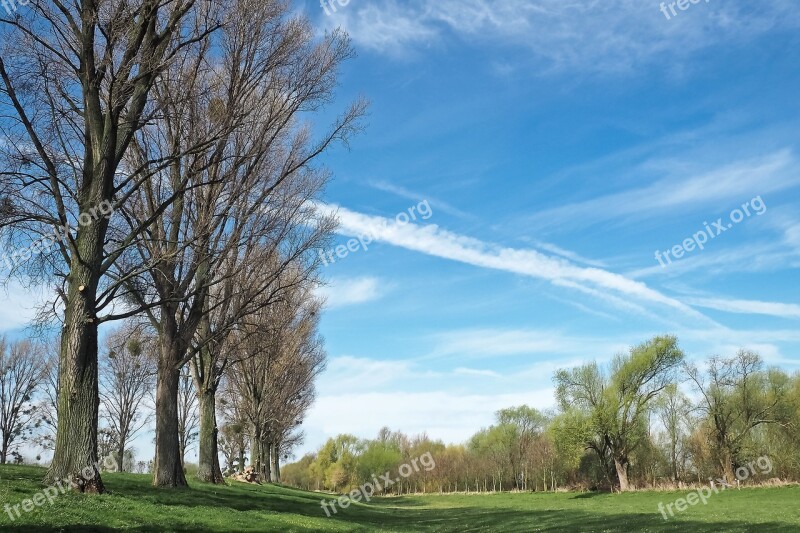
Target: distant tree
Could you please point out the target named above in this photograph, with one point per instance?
(736, 396)
(188, 419)
(126, 379)
(615, 403)
(673, 409)
(21, 371)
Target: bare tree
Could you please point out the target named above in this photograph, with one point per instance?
(47, 408)
(274, 385)
(187, 414)
(76, 84)
(241, 199)
(126, 379)
(21, 370)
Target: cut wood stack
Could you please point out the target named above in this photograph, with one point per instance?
(248, 476)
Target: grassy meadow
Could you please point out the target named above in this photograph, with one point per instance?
(133, 505)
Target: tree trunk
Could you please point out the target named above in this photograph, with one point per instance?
(621, 465)
(276, 463)
(121, 458)
(241, 454)
(168, 469)
(255, 453)
(727, 466)
(75, 454)
(208, 470)
(265, 461)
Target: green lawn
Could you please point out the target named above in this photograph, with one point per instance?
(134, 505)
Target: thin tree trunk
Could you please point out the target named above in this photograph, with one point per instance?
(121, 458)
(276, 463)
(265, 461)
(168, 469)
(208, 470)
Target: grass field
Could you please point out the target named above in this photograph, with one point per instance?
(134, 505)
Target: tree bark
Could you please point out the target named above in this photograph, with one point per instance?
(75, 454)
(727, 466)
(276, 462)
(208, 470)
(621, 465)
(121, 458)
(168, 468)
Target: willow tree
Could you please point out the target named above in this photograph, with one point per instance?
(615, 403)
(75, 87)
(737, 395)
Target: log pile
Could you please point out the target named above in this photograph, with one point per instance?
(248, 476)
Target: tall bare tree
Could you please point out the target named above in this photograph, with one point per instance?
(274, 385)
(241, 199)
(76, 85)
(21, 370)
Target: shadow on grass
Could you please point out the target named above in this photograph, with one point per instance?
(589, 495)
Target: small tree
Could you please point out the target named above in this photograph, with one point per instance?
(188, 419)
(20, 373)
(126, 378)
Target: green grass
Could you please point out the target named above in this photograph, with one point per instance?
(134, 505)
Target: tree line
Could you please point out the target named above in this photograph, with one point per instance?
(196, 122)
(648, 419)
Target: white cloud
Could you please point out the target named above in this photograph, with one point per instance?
(507, 342)
(735, 183)
(437, 242)
(18, 305)
(343, 292)
(567, 254)
(590, 36)
(748, 307)
(448, 416)
(476, 373)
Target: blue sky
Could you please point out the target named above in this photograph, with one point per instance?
(559, 144)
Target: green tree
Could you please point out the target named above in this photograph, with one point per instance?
(616, 402)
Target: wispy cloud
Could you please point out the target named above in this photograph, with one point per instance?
(476, 373)
(481, 343)
(593, 36)
(437, 242)
(748, 307)
(342, 292)
(684, 188)
(436, 203)
(567, 254)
